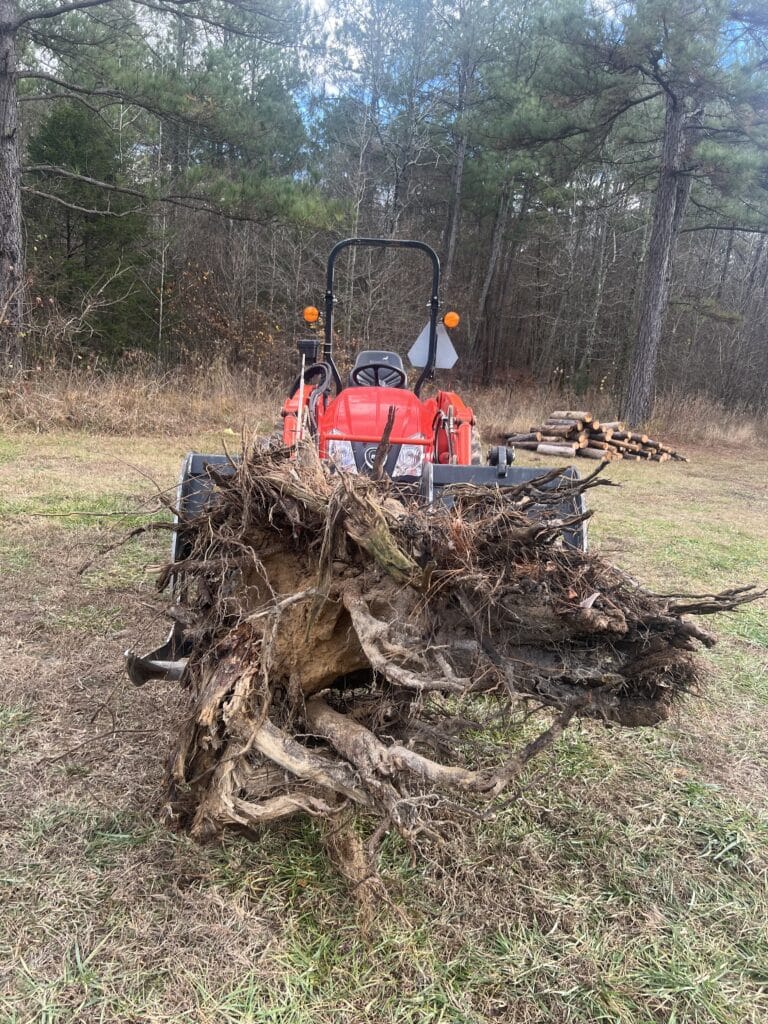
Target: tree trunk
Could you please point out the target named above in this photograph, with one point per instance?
(494, 343)
(11, 247)
(600, 274)
(671, 200)
(724, 268)
(451, 233)
(499, 226)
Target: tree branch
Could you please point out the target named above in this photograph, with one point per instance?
(62, 172)
(198, 204)
(725, 227)
(46, 96)
(116, 95)
(54, 12)
(204, 19)
(167, 7)
(74, 206)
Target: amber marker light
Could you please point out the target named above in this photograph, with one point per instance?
(311, 314)
(452, 319)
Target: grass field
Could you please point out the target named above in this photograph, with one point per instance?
(627, 883)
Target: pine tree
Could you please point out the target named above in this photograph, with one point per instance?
(233, 138)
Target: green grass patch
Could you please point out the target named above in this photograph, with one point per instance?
(14, 717)
(15, 557)
(92, 509)
(709, 555)
(128, 567)
(749, 625)
(95, 619)
(647, 903)
(107, 839)
(741, 667)
(10, 449)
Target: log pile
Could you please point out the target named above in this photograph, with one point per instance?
(568, 434)
(349, 647)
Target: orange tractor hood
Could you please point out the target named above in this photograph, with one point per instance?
(360, 414)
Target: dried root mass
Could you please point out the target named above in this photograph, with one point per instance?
(349, 646)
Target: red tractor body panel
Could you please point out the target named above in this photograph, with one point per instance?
(443, 424)
(290, 415)
(360, 414)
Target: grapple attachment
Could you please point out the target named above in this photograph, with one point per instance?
(193, 493)
(196, 486)
(437, 482)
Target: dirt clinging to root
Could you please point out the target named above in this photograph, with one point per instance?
(348, 644)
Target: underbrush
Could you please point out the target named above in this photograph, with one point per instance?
(137, 401)
(692, 419)
(704, 421)
(128, 402)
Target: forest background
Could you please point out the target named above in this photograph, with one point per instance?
(593, 176)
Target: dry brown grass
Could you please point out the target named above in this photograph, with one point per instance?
(683, 419)
(700, 420)
(134, 402)
(501, 410)
(504, 410)
(137, 401)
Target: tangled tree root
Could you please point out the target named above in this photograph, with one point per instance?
(349, 645)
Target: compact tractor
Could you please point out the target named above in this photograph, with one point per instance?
(430, 441)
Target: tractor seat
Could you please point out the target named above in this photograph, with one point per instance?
(375, 369)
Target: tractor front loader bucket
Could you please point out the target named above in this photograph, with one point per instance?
(196, 485)
(168, 661)
(193, 493)
(437, 480)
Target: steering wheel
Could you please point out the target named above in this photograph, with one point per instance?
(378, 375)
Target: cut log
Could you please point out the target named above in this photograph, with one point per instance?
(561, 431)
(534, 435)
(659, 446)
(525, 445)
(628, 435)
(626, 446)
(605, 446)
(575, 424)
(601, 435)
(586, 417)
(613, 425)
(564, 451)
(554, 439)
(593, 453)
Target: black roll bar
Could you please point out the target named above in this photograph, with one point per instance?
(434, 302)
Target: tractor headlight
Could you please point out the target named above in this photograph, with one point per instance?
(341, 455)
(409, 460)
